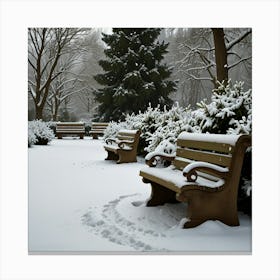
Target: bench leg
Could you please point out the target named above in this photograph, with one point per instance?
(125, 156)
(111, 156)
(94, 136)
(161, 195)
(59, 136)
(203, 206)
(81, 136)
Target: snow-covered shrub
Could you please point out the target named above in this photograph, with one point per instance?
(113, 128)
(164, 148)
(31, 137)
(42, 132)
(229, 112)
(169, 125)
(155, 126)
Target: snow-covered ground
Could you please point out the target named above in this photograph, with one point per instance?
(78, 202)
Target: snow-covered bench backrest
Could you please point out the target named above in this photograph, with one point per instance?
(218, 149)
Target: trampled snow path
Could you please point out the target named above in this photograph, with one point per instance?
(78, 202)
(118, 229)
(112, 224)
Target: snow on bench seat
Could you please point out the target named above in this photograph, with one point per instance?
(173, 178)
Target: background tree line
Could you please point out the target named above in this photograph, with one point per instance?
(64, 66)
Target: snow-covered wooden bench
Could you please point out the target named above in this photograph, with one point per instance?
(70, 129)
(204, 172)
(123, 148)
(97, 128)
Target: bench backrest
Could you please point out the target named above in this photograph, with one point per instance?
(70, 126)
(220, 149)
(129, 135)
(99, 126)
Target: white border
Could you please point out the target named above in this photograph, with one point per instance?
(17, 16)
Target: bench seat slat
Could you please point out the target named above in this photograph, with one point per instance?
(173, 178)
(114, 148)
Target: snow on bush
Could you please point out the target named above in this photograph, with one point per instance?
(42, 132)
(31, 137)
(229, 112)
(155, 125)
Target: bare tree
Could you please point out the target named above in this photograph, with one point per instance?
(85, 100)
(213, 54)
(46, 46)
(60, 90)
(192, 55)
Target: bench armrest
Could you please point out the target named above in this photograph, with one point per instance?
(122, 143)
(110, 141)
(190, 171)
(152, 158)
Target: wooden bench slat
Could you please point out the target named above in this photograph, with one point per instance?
(123, 137)
(210, 146)
(103, 124)
(97, 129)
(181, 163)
(127, 133)
(220, 159)
(70, 128)
(160, 181)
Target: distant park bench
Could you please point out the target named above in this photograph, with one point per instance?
(123, 148)
(70, 129)
(97, 129)
(205, 173)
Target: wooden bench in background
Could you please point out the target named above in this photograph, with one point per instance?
(97, 129)
(70, 129)
(205, 173)
(123, 148)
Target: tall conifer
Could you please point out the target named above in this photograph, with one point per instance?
(133, 73)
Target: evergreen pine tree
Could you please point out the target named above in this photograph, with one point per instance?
(133, 74)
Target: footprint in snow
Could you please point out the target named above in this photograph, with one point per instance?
(111, 225)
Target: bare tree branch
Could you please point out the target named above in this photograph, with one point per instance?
(238, 39)
(239, 61)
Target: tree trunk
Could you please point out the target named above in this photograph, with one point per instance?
(220, 54)
(39, 112)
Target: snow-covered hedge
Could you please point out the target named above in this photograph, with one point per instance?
(39, 133)
(229, 112)
(31, 137)
(155, 126)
